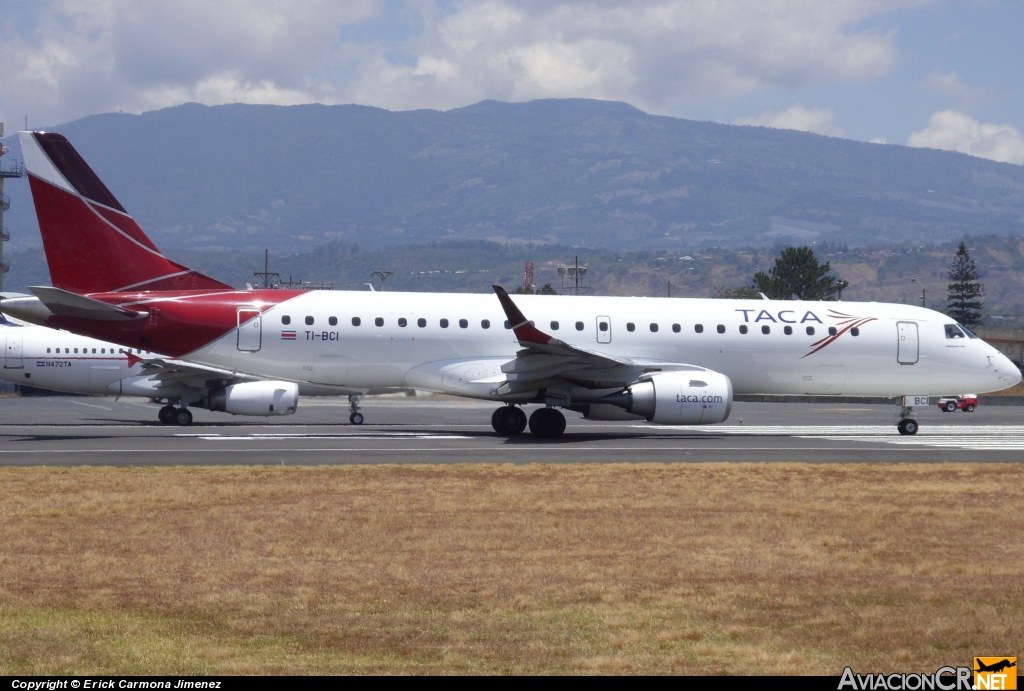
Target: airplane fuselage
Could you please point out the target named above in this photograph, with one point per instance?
(401, 340)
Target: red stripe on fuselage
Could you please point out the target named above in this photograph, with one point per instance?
(185, 320)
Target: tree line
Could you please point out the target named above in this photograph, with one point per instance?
(798, 275)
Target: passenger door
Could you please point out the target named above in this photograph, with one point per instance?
(250, 329)
(604, 330)
(14, 352)
(908, 348)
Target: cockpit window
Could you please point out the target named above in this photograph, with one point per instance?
(953, 331)
(970, 334)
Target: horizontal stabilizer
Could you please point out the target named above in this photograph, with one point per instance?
(67, 304)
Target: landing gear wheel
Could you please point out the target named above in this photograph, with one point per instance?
(508, 421)
(969, 408)
(907, 426)
(165, 414)
(950, 407)
(547, 423)
(182, 416)
(355, 417)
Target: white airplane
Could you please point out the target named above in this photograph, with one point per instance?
(45, 358)
(669, 361)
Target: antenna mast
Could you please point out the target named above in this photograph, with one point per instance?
(383, 275)
(267, 274)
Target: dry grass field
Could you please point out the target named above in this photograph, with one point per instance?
(719, 568)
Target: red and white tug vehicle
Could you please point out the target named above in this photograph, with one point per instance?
(967, 403)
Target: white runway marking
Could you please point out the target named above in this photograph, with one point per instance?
(974, 437)
(292, 437)
(91, 405)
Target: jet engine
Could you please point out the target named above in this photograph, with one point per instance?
(256, 398)
(678, 398)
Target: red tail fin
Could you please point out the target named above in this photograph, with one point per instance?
(92, 244)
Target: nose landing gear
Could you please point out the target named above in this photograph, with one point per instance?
(907, 424)
(355, 417)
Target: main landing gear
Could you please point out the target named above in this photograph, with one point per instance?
(355, 417)
(169, 415)
(545, 423)
(508, 421)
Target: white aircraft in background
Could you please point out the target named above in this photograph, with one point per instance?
(45, 358)
(669, 361)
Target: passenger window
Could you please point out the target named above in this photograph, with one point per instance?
(67, 351)
(47, 350)
(93, 351)
(953, 331)
(630, 326)
(579, 326)
(766, 329)
(333, 321)
(402, 322)
(554, 326)
(309, 321)
(421, 322)
(379, 321)
(444, 323)
(831, 331)
(485, 323)
(855, 331)
(76, 351)
(810, 330)
(654, 328)
(676, 328)
(699, 328)
(603, 326)
(507, 324)
(102, 350)
(356, 321)
(463, 324)
(721, 328)
(286, 320)
(743, 328)
(788, 330)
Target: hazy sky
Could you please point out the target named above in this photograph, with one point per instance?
(926, 73)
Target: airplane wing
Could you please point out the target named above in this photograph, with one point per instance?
(546, 360)
(167, 368)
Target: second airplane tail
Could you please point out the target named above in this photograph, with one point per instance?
(92, 245)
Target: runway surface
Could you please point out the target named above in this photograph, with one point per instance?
(101, 431)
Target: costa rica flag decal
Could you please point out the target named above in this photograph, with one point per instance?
(287, 335)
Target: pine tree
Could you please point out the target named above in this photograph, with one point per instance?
(798, 273)
(962, 293)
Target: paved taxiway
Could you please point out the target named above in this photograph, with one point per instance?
(101, 431)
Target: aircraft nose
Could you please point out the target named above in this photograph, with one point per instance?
(1012, 372)
(1007, 372)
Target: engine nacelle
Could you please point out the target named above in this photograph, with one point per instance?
(256, 398)
(678, 398)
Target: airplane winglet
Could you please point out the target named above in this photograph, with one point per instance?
(133, 359)
(525, 331)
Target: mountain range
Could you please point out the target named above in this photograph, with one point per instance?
(575, 172)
